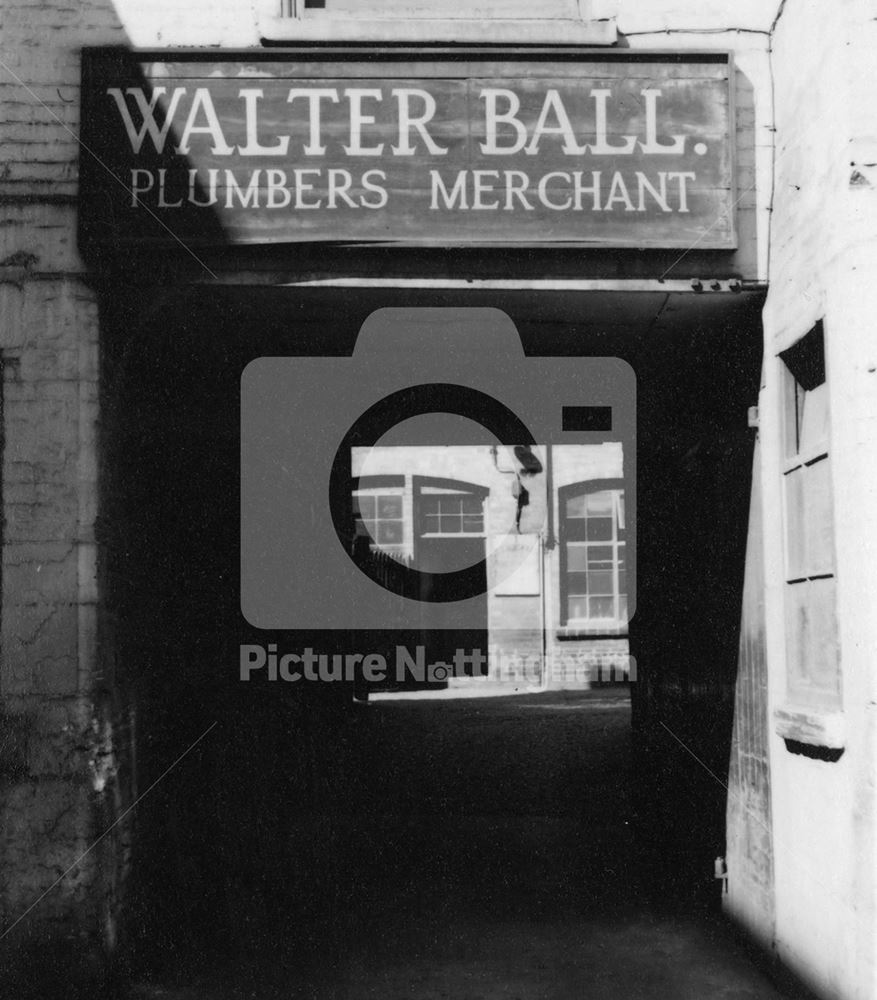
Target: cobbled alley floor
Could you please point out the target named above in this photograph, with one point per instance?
(487, 849)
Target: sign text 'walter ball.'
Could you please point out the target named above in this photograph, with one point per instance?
(616, 153)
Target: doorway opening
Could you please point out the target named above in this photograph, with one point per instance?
(303, 804)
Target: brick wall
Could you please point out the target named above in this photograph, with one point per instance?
(584, 663)
(54, 760)
(58, 765)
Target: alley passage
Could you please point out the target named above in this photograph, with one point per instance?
(488, 848)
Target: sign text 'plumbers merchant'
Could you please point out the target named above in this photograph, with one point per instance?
(616, 153)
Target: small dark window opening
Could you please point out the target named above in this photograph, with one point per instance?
(805, 359)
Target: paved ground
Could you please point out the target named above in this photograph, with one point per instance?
(484, 849)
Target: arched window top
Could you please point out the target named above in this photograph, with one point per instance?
(449, 506)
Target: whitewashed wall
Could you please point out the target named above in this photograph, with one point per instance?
(823, 265)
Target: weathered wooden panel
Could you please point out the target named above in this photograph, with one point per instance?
(749, 822)
(590, 150)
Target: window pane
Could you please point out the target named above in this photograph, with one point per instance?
(600, 583)
(575, 529)
(792, 409)
(599, 529)
(817, 517)
(599, 554)
(622, 582)
(814, 419)
(366, 505)
(821, 649)
(577, 583)
(576, 558)
(796, 538)
(602, 607)
(577, 607)
(598, 567)
(431, 524)
(575, 507)
(429, 504)
(471, 504)
(811, 631)
(389, 532)
(622, 608)
(797, 621)
(599, 503)
(451, 524)
(473, 523)
(390, 506)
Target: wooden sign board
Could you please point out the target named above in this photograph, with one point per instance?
(595, 149)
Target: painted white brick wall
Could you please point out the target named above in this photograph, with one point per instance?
(823, 264)
(690, 15)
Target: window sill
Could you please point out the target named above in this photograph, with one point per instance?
(324, 28)
(810, 727)
(593, 631)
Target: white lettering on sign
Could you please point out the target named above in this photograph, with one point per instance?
(559, 191)
(202, 105)
(495, 118)
(148, 124)
(554, 110)
(357, 119)
(314, 145)
(554, 107)
(407, 122)
(253, 147)
(301, 189)
(651, 147)
(505, 130)
(607, 151)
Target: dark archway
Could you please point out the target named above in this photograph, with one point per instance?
(230, 843)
